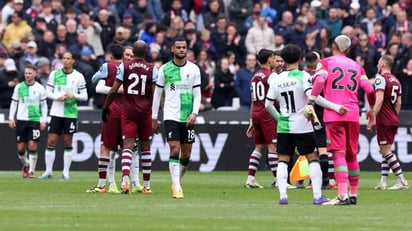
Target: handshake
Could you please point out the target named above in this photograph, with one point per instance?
(310, 113)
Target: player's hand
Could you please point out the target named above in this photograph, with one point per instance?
(105, 113)
(12, 124)
(250, 130)
(43, 126)
(155, 126)
(309, 112)
(191, 120)
(69, 95)
(61, 98)
(342, 110)
(370, 116)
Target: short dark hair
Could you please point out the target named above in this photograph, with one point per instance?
(178, 39)
(117, 51)
(30, 67)
(263, 55)
(311, 57)
(291, 53)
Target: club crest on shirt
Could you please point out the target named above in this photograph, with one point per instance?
(117, 70)
(378, 81)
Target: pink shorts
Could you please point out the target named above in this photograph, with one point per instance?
(139, 128)
(343, 136)
(112, 133)
(386, 134)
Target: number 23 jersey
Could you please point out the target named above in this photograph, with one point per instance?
(290, 88)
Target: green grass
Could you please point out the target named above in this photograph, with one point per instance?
(213, 201)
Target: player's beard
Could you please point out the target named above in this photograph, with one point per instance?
(180, 56)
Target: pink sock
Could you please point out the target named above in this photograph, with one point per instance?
(353, 168)
(341, 172)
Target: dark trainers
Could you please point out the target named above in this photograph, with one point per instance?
(353, 200)
(320, 200)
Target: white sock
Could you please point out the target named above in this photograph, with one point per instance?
(134, 169)
(315, 174)
(32, 161)
(111, 168)
(282, 179)
(50, 155)
(174, 168)
(182, 171)
(250, 178)
(23, 158)
(67, 161)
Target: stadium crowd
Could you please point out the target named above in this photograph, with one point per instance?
(221, 35)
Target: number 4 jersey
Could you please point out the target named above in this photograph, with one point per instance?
(290, 88)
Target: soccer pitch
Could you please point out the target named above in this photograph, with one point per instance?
(213, 201)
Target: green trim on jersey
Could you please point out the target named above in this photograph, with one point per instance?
(296, 74)
(283, 124)
(33, 107)
(186, 105)
(172, 73)
(70, 106)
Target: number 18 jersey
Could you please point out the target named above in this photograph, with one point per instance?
(290, 88)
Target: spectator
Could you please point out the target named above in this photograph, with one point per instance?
(334, 22)
(175, 10)
(219, 36)
(58, 11)
(284, 26)
(57, 61)
(268, 12)
(242, 82)
(19, 7)
(297, 35)
(108, 28)
(406, 82)
(206, 44)
(30, 56)
(289, 5)
(369, 53)
(82, 6)
(402, 25)
(149, 33)
(256, 12)
(8, 79)
(35, 9)
(47, 14)
(378, 38)
(92, 30)
(210, 17)
(119, 37)
(313, 23)
(323, 10)
(71, 26)
(40, 27)
(350, 15)
(323, 39)
(235, 44)
(155, 9)
(239, 10)
(61, 35)
(47, 45)
(127, 22)
(279, 42)
(16, 30)
(7, 11)
(259, 36)
(224, 91)
(208, 66)
(43, 70)
(368, 22)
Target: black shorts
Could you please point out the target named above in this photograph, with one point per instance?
(60, 124)
(176, 131)
(320, 135)
(287, 143)
(27, 130)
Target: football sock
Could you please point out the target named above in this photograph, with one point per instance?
(315, 174)
(324, 166)
(273, 161)
(331, 170)
(134, 169)
(354, 172)
(32, 161)
(102, 170)
(111, 167)
(254, 160)
(50, 155)
(282, 178)
(341, 172)
(126, 162)
(146, 168)
(67, 160)
(174, 168)
(183, 167)
(23, 158)
(393, 163)
(384, 170)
